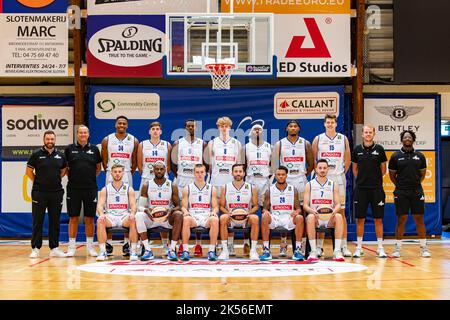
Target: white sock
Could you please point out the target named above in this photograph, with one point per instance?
(246, 241)
(173, 245)
(146, 245)
(230, 240)
(126, 240)
(266, 244)
(298, 245)
(399, 243)
(186, 247)
(198, 241)
(283, 239)
(344, 243)
(109, 241)
(380, 243)
(72, 242)
(165, 241)
(254, 245)
(89, 241)
(359, 242)
(102, 247)
(338, 244)
(319, 243)
(224, 245)
(423, 242)
(212, 247)
(133, 247)
(313, 244)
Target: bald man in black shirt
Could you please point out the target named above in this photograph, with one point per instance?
(407, 169)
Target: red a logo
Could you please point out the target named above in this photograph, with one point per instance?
(320, 49)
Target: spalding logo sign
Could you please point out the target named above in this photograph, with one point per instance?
(35, 3)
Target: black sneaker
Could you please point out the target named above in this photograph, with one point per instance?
(126, 250)
(109, 249)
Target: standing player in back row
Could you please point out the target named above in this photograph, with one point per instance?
(120, 148)
(224, 151)
(334, 148)
(186, 153)
(294, 153)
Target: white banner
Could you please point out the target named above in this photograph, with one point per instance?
(314, 45)
(16, 188)
(110, 105)
(305, 105)
(34, 45)
(105, 7)
(391, 116)
(23, 128)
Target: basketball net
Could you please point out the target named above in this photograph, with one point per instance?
(220, 75)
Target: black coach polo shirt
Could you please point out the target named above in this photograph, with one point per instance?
(82, 163)
(369, 160)
(408, 166)
(47, 167)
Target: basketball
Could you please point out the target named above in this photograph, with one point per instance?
(159, 214)
(239, 216)
(324, 212)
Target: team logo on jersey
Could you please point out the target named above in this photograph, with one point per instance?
(289, 188)
(329, 183)
(398, 113)
(246, 186)
(414, 158)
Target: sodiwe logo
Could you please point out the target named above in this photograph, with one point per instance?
(106, 105)
(35, 3)
(38, 122)
(398, 113)
(320, 49)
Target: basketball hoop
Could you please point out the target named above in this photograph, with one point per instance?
(220, 75)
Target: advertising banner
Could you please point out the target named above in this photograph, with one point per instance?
(34, 38)
(288, 6)
(311, 105)
(126, 46)
(23, 128)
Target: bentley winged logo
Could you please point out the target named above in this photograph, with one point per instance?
(399, 113)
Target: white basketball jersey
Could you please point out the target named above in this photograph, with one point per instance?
(281, 201)
(199, 200)
(225, 155)
(293, 156)
(258, 159)
(159, 195)
(189, 154)
(333, 151)
(238, 198)
(120, 151)
(117, 201)
(152, 153)
(321, 195)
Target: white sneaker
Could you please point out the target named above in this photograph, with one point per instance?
(396, 253)
(34, 253)
(134, 256)
(346, 252)
(231, 250)
(224, 255)
(57, 253)
(283, 250)
(92, 252)
(424, 252)
(71, 252)
(254, 255)
(381, 253)
(313, 256)
(319, 252)
(358, 253)
(102, 256)
(338, 256)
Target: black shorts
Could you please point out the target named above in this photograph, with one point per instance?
(406, 200)
(76, 197)
(363, 197)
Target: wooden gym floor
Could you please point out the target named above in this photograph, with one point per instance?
(409, 277)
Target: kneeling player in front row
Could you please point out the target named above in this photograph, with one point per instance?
(322, 204)
(116, 208)
(282, 209)
(159, 206)
(200, 209)
(239, 205)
